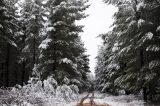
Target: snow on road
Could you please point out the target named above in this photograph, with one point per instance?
(123, 100)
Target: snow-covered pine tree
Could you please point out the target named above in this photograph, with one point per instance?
(82, 62)
(107, 66)
(136, 28)
(62, 49)
(8, 28)
(150, 13)
(142, 35)
(115, 59)
(100, 70)
(126, 30)
(32, 16)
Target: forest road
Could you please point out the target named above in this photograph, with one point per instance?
(102, 99)
(91, 101)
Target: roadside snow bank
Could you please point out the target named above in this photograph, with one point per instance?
(122, 100)
(38, 93)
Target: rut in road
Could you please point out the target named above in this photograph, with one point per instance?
(91, 101)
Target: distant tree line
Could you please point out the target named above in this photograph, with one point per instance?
(40, 38)
(129, 58)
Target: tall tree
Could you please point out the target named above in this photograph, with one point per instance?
(32, 21)
(7, 38)
(136, 29)
(62, 47)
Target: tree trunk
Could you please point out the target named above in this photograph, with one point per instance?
(34, 51)
(144, 88)
(16, 76)
(24, 59)
(23, 72)
(127, 92)
(7, 65)
(141, 56)
(3, 74)
(150, 93)
(145, 93)
(54, 55)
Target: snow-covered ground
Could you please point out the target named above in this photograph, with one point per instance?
(100, 98)
(123, 100)
(65, 95)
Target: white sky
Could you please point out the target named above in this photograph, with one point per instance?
(98, 22)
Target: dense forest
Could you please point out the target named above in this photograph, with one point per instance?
(129, 58)
(39, 39)
(43, 60)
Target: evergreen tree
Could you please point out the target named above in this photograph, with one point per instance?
(107, 66)
(62, 48)
(7, 40)
(136, 29)
(32, 21)
(39, 38)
